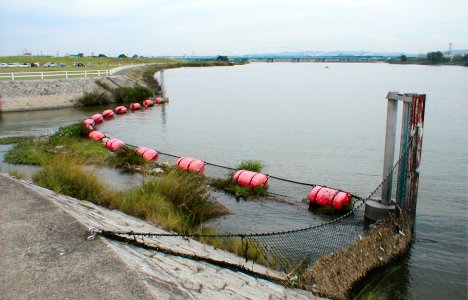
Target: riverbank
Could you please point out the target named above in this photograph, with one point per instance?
(47, 254)
(28, 95)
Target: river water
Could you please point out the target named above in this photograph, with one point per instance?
(318, 123)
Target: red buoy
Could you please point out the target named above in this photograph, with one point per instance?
(250, 179)
(88, 124)
(190, 164)
(323, 196)
(114, 144)
(147, 103)
(120, 110)
(97, 118)
(158, 100)
(108, 113)
(147, 153)
(135, 106)
(95, 135)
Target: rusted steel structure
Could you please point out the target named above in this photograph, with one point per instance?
(409, 156)
(416, 126)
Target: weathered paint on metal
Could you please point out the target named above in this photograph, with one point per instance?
(414, 152)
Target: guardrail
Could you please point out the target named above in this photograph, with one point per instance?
(53, 74)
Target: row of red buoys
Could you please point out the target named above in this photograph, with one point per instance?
(113, 143)
(319, 195)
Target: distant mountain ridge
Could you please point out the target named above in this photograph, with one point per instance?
(347, 53)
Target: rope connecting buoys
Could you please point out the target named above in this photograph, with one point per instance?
(191, 165)
(113, 144)
(97, 118)
(250, 179)
(147, 153)
(323, 196)
(108, 113)
(120, 110)
(147, 103)
(134, 106)
(96, 135)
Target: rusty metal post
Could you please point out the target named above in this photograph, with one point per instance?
(414, 152)
(411, 128)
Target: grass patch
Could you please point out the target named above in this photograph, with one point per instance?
(17, 173)
(95, 97)
(249, 249)
(132, 94)
(70, 131)
(189, 197)
(28, 151)
(67, 141)
(12, 140)
(235, 189)
(127, 159)
(63, 176)
(148, 78)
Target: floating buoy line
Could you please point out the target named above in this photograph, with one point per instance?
(319, 195)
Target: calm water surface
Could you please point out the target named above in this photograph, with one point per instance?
(323, 125)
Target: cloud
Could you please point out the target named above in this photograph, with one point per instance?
(182, 26)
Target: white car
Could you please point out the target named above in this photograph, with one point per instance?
(3, 65)
(50, 65)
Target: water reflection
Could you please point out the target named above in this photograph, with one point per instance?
(41, 121)
(388, 283)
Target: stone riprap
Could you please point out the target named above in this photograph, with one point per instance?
(24, 95)
(164, 276)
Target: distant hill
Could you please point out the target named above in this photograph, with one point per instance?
(345, 53)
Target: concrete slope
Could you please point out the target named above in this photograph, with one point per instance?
(45, 254)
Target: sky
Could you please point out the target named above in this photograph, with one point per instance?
(216, 27)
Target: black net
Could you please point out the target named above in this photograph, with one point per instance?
(292, 250)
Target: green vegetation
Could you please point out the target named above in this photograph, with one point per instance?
(432, 58)
(244, 248)
(178, 201)
(11, 140)
(16, 173)
(64, 176)
(127, 159)
(132, 94)
(27, 151)
(231, 187)
(95, 97)
(90, 63)
(67, 142)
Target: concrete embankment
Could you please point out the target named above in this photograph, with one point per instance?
(44, 253)
(24, 95)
